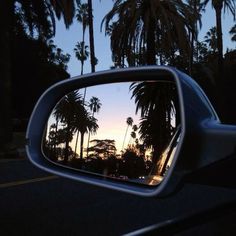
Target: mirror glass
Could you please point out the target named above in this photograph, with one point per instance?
(127, 131)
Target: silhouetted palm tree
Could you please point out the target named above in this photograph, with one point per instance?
(81, 53)
(82, 49)
(129, 122)
(219, 6)
(40, 15)
(233, 33)
(88, 124)
(91, 36)
(211, 39)
(94, 106)
(138, 27)
(83, 17)
(67, 110)
(158, 105)
(65, 9)
(133, 133)
(197, 7)
(72, 113)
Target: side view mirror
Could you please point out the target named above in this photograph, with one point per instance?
(138, 130)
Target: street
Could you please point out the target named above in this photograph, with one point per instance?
(33, 202)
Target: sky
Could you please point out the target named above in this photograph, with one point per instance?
(67, 39)
(112, 116)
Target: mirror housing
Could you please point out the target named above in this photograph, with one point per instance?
(201, 131)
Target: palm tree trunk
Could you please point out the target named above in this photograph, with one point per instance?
(89, 137)
(125, 137)
(82, 67)
(220, 83)
(81, 145)
(219, 42)
(66, 154)
(83, 50)
(6, 16)
(91, 36)
(76, 142)
(88, 143)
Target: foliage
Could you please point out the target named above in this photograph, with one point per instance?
(141, 30)
(233, 33)
(104, 147)
(157, 104)
(35, 66)
(71, 113)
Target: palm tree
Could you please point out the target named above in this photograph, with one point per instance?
(82, 49)
(138, 26)
(94, 106)
(40, 15)
(133, 132)
(197, 8)
(67, 110)
(129, 122)
(218, 6)
(81, 53)
(63, 8)
(82, 17)
(158, 107)
(91, 36)
(211, 39)
(88, 124)
(233, 33)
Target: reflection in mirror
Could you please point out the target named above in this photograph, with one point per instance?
(127, 131)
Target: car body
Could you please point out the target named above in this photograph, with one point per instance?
(199, 146)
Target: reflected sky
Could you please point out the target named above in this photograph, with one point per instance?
(116, 107)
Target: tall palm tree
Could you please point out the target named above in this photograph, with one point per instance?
(129, 122)
(81, 53)
(133, 133)
(197, 8)
(219, 6)
(91, 36)
(88, 124)
(83, 17)
(94, 106)
(82, 49)
(67, 110)
(138, 26)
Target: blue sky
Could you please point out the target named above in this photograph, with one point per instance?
(67, 39)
